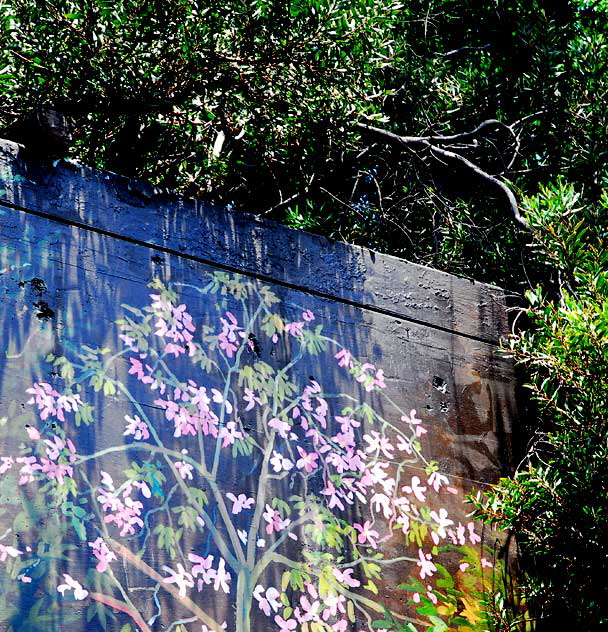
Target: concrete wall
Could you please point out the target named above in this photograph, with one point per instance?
(209, 421)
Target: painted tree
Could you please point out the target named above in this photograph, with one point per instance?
(252, 492)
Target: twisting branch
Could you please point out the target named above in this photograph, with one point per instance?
(123, 607)
(136, 561)
(433, 142)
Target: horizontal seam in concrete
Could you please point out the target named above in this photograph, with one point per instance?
(236, 269)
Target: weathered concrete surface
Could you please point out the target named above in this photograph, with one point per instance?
(78, 252)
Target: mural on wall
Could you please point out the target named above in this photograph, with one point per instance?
(227, 492)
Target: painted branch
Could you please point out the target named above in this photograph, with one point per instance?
(130, 557)
(123, 607)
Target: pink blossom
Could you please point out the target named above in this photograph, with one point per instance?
(8, 551)
(295, 329)
(436, 480)
(377, 442)
(123, 512)
(222, 577)
(334, 496)
(334, 604)
(268, 601)
(285, 626)
(308, 460)
(338, 460)
(29, 466)
(427, 568)
(347, 424)
(344, 358)
(308, 316)
(54, 447)
(50, 402)
(485, 563)
(415, 489)
(239, 503)
(176, 350)
(218, 398)
(198, 396)
(251, 398)
(379, 379)
(403, 521)
(202, 569)
(185, 469)
(442, 521)
(71, 584)
(184, 423)
(228, 338)
(281, 427)
(404, 445)
(382, 502)
(463, 567)
(137, 369)
(137, 428)
(230, 434)
(274, 520)
(7, 463)
(173, 323)
(414, 422)
(366, 534)
(129, 342)
(53, 467)
(279, 462)
(346, 577)
(171, 408)
(107, 480)
(354, 461)
(310, 609)
(181, 578)
(32, 432)
(370, 380)
(460, 535)
(473, 537)
(53, 470)
(378, 473)
(102, 552)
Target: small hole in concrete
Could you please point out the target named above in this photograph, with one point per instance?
(254, 345)
(38, 285)
(44, 311)
(440, 384)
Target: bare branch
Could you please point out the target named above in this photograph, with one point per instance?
(455, 51)
(431, 142)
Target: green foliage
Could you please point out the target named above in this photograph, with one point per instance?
(254, 104)
(557, 502)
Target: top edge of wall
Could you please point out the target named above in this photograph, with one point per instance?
(137, 211)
